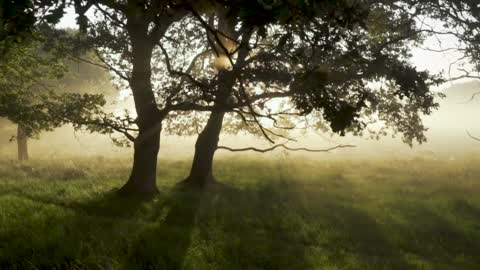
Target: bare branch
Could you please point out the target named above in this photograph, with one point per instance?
(441, 50)
(102, 122)
(162, 23)
(467, 75)
(191, 107)
(471, 136)
(471, 98)
(284, 146)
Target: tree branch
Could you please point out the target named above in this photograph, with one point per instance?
(284, 146)
(471, 98)
(471, 136)
(110, 67)
(179, 73)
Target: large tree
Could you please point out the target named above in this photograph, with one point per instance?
(323, 58)
(126, 35)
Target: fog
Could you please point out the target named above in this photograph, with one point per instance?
(75, 195)
(447, 136)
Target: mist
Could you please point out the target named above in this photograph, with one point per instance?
(447, 137)
(256, 135)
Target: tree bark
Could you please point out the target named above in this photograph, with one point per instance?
(22, 143)
(201, 174)
(143, 178)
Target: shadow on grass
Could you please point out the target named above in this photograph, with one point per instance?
(466, 210)
(107, 205)
(445, 243)
(219, 228)
(250, 229)
(272, 225)
(89, 234)
(276, 226)
(165, 243)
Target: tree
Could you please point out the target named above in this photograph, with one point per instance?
(27, 73)
(322, 58)
(23, 66)
(26, 66)
(125, 40)
(132, 30)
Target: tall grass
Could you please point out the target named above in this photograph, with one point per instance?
(268, 214)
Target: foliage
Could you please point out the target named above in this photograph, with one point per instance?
(16, 19)
(19, 17)
(24, 73)
(371, 38)
(32, 93)
(344, 64)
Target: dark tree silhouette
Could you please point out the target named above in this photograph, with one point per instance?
(322, 54)
(323, 61)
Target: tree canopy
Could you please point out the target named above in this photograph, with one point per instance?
(343, 64)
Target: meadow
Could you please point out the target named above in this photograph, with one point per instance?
(286, 213)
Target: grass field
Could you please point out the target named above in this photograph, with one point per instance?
(269, 214)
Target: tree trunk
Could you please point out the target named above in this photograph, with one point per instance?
(201, 172)
(142, 179)
(22, 143)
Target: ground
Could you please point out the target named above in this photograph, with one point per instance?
(267, 214)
